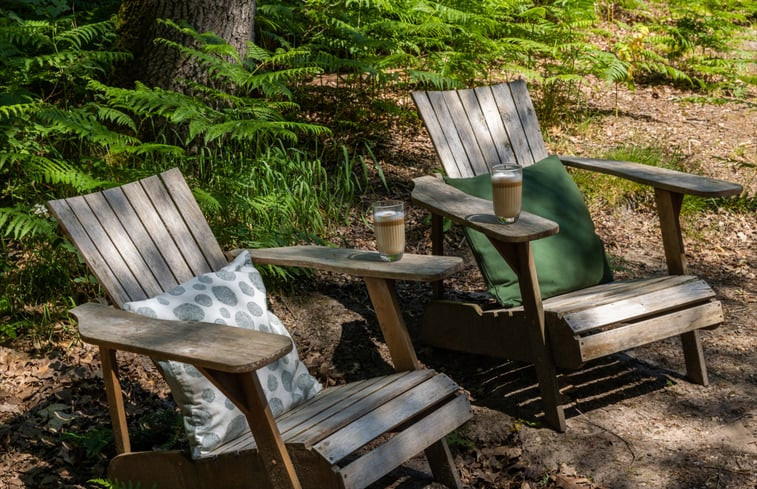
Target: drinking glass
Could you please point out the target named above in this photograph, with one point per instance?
(389, 226)
(507, 191)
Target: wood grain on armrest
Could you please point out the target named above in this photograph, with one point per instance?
(206, 345)
(663, 178)
(362, 263)
(433, 194)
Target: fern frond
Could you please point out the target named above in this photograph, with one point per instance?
(612, 69)
(23, 35)
(151, 148)
(21, 223)
(59, 172)
(83, 124)
(257, 53)
(85, 34)
(115, 116)
(18, 110)
(206, 200)
(432, 79)
(254, 130)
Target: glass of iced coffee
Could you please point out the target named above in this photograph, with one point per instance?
(389, 226)
(507, 191)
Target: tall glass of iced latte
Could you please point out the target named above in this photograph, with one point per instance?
(389, 226)
(507, 191)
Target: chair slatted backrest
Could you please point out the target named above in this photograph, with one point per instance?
(142, 238)
(476, 128)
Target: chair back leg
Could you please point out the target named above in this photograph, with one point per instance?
(443, 465)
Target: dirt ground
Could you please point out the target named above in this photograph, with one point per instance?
(633, 421)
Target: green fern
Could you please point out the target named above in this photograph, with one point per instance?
(18, 110)
(229, 110)
(84, 123)
(21, 223)
(61, 173)
(81, 36)
(108, 484)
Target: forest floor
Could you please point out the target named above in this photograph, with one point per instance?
(633, 420)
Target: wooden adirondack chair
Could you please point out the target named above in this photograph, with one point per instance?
(148, 236)
(474, 129)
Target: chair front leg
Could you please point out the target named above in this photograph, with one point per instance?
(437, 248)
(669, 210)
(384, 299)
(115, 400)
(383, 296)
(245, 391)
(521, 259)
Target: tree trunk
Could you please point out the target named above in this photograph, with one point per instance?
(163, 66)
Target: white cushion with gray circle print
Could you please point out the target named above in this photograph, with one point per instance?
(234, 295)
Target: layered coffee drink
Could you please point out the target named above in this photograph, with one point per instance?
(507, 192)
(389, 226)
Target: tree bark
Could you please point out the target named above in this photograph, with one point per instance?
(157, 65)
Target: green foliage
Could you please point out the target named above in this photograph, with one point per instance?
(108, 484)
(441, 44)
(65, 131)
(374, 44)
(607, 190)
(459, 442)
(283, 197)
(691, 42)
(162, 429)
(47, 130)
(92, 442)
(45, 64)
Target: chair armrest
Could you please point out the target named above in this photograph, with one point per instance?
(422, 268)
(205, 345)
(432, 193)
(662, 178)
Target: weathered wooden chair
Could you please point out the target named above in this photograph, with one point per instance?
(146, 237)
(472, 130)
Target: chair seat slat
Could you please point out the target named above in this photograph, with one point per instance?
(385, 417)
(357, 405)
(607, 293)
(323, 400)
(371, 467)
(300, 415)
(639, 306)
(306, 417)
(337, 396)
(642, 332)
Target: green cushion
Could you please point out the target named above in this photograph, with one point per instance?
(570, 260)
